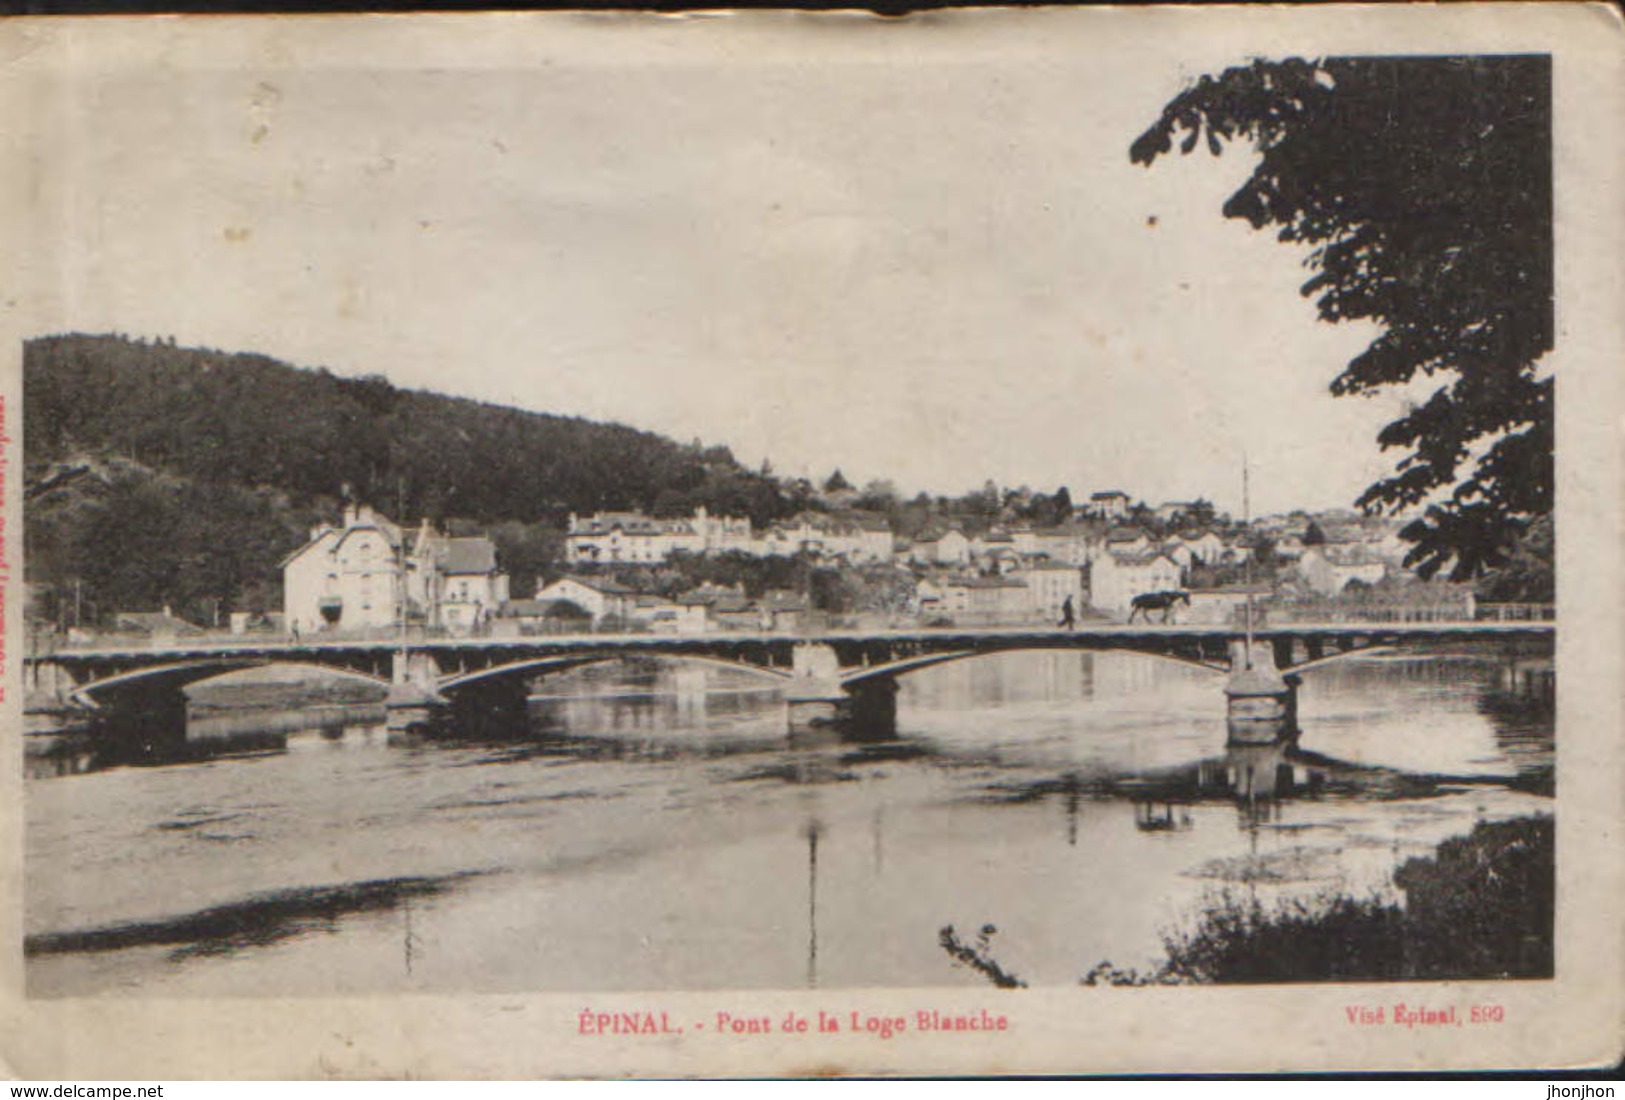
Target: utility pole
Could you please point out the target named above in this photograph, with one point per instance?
(1247, 519)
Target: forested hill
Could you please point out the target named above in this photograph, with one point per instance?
(166, 475)
(253, 421)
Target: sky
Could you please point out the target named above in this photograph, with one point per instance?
(900, 249)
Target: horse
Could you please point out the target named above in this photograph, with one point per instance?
(1164, 602)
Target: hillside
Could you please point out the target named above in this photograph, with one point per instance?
(162, 474)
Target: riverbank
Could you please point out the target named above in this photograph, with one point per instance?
(1480, 908)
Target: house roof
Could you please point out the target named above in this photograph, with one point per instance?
(321, 535)
(1108, 494)
(1066, 531)
(157, 622)
(468, 555)
(1144, 558)
(609, 586)
(782, 599)
(630, 523)
(983, 582)
(1124, 534)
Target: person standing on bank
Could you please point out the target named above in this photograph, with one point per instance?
(1068, 619)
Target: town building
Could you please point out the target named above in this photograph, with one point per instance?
(1333, 567)
(633, 538)
(856, 538)
(1115, 579)
(974, 599)
(1049, 586)
(935, 547)
(1110, 504)
(1205, 546)
(1226, 605)
(459, 578)
(160, 626)
(601, 598)
(367, 573)
(718, 607)
(1128, 540)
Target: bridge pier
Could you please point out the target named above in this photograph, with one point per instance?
(816, 699)
(50, 711)
(1260, 700)
(413, 701)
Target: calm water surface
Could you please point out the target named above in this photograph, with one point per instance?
(653, 829)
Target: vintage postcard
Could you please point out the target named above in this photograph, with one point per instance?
(1040, 541)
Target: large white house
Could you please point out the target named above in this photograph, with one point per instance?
(1109, 504)
(1115, 579)
(1050, 585)
(856, 538)
(634, 538)
(366, 572)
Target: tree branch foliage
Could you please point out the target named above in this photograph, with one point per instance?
(1422, 187)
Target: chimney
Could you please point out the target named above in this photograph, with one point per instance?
(349, 515)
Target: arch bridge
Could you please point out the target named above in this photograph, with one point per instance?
(848, 675)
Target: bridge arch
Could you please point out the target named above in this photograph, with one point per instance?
(538, 666)
(180, 675)
(890, 670)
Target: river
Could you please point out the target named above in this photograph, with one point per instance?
(653, 829)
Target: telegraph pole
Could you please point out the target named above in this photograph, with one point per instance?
(1247, 520)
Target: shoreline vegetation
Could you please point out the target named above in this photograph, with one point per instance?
(1481, 907)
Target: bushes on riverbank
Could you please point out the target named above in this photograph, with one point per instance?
(1480, 907)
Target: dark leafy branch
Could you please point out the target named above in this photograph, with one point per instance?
(1422, 187)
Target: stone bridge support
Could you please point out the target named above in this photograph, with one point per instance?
(413, 700)
(814, 696)
(817, 697)
(1262, 701)
(49, 686)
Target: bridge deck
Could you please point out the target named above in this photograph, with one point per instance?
(1111, 634)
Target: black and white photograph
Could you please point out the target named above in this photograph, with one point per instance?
(1026, 520)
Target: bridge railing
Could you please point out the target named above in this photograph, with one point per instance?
(1516, 612)
(45, 643)
(1331, 612)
